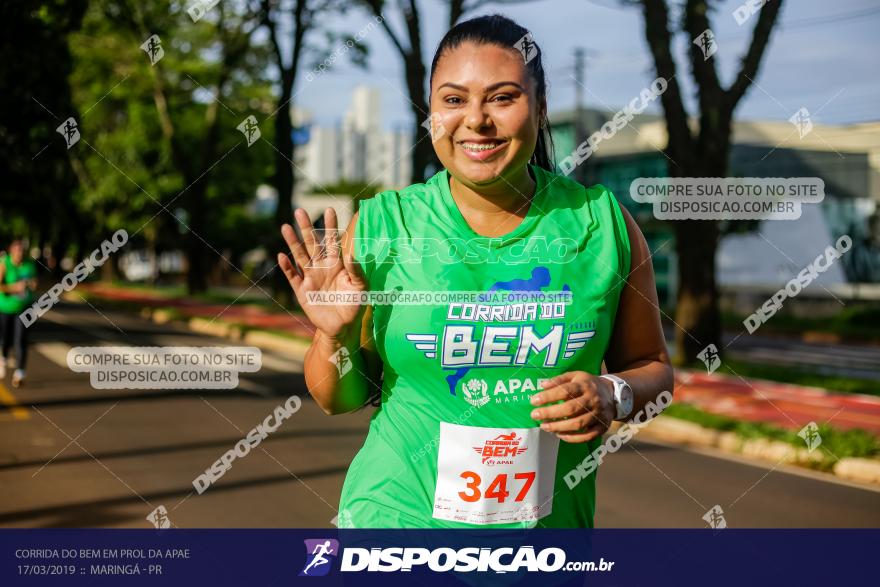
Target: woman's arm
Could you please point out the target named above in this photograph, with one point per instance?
(17, 287)
(12, 288)
(636, 353)
(335, 393)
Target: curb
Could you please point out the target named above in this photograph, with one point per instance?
(675, 431)
(212, 327)
(857, 469)
(278, 343)
(263, 339)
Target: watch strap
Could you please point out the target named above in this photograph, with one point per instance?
(619, 384)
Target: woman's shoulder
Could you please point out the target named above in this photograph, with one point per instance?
(398, 204)
(415, 191)
(560, 185)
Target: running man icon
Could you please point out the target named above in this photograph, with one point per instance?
(70, 131)
(317, 563)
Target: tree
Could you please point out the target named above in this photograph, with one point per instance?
(700, 153)
(302, 16)
(215, 65)
(414, 75)
(35, 194)
(283, 178)
(146, 130)
(121, 165)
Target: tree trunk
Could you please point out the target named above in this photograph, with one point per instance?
(196, 251)
(283, 182)
(197, 206)
(59, 247)
(697, 317)
(285, 179)
(697, 313)
(423, 150)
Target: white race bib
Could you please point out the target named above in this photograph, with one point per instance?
(494, 475)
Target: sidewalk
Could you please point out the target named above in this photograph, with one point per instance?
(247, 315)
(755, 400)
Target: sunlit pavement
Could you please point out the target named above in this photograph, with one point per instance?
(77, 456)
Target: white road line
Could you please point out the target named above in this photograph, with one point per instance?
(54, 351)
(255, 388)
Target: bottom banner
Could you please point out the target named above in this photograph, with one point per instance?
(436, 557)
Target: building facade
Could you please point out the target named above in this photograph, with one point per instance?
(846, 158)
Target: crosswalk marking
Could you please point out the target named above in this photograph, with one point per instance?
(54, 351)
(6, 398)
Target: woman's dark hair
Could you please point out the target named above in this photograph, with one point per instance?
(496, 29)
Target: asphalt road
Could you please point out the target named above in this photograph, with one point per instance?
(832, 360)
(97, 458)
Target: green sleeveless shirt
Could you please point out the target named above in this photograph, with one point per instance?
(453, 444)
(14, 303)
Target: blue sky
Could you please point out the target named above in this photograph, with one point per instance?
(824, 57)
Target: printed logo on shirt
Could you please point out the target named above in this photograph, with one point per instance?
(478, 392)
(501, 450)
(460, 346)
(474, 392)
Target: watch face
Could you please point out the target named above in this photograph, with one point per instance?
(626, 401)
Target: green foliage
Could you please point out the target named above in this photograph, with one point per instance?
(837, 443)
(239, 231)
(34, 101)
(857, 322)
(144, 162)
(160, 153)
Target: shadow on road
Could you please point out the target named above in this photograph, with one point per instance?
(182, 447)
(296, 382)
(85, 515)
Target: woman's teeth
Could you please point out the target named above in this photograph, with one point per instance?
(480, 146)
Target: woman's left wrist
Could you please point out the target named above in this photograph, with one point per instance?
(622, 396)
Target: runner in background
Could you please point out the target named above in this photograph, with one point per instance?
(18, 281)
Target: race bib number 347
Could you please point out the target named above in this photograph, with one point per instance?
(494, 475)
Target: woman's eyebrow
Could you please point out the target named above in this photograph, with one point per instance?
(488, 88)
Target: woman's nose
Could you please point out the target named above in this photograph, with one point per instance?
(477, 117)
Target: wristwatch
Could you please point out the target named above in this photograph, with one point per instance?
(623, 396)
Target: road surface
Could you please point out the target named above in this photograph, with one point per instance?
(96, 458)
(832, 360)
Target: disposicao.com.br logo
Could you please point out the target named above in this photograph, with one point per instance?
(320, 553)
(444, 559)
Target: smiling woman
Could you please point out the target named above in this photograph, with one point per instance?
(482, 413)
(491, 108)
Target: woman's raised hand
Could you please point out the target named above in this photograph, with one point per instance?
(321, 268)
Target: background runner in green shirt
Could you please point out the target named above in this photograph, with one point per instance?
(486, 404)
(17, 285)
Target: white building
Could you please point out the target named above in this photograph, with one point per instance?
(357, 149)
(320, 159)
